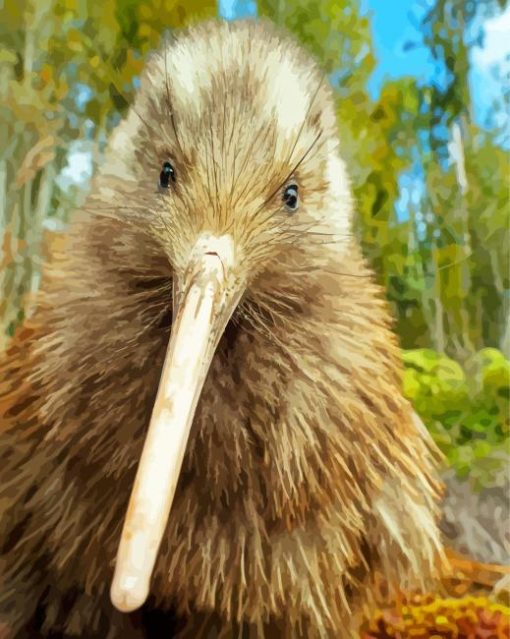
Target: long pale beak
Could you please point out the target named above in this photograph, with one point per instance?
(206, 301)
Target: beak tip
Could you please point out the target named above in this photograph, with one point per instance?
(129, 595)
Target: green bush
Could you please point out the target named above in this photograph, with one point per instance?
(466, 409)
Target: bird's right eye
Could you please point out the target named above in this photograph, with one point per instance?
(291, 198)
(167, 174)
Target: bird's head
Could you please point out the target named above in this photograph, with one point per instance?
(231, 149)
(227, 164)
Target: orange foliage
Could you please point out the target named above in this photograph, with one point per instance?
(434, 618)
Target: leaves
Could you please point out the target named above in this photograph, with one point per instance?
(466, 409)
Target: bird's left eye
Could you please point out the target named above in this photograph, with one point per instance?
(291, 197)
(167, 175)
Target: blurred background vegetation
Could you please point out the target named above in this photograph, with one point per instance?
(431, 183)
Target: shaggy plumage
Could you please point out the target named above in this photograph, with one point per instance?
(306, 480)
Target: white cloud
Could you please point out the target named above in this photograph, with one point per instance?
(496, 45)
(490, 63)
(79, 166)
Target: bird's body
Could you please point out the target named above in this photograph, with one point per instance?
(305, 478)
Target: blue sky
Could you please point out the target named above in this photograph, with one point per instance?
(391, 31)
(231, 9)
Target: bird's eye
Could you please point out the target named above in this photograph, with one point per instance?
(167, 174)
(291, 197)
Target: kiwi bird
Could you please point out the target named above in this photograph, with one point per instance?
(204, 414)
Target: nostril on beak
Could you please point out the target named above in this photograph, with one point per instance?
(216, 254)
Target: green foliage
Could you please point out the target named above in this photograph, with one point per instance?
(435, 384)
(467, 410)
